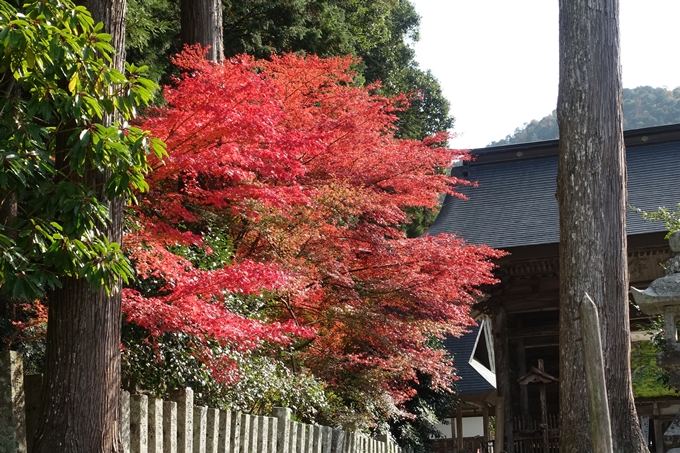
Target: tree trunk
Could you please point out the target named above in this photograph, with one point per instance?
(80, 410)
(592, 204)
(81, 392)
(201, 22)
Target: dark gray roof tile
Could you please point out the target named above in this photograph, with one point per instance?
(460, 349)
(514, 203)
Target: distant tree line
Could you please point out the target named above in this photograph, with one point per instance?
(643, 106)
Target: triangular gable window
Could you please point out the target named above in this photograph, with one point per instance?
(482, 358)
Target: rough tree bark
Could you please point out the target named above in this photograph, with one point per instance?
(592, 205)
(81, 394)
(201, 23)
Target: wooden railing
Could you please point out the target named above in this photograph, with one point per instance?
(529, 434)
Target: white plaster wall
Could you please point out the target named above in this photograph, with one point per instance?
(472, 426)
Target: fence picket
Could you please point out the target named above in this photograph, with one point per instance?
(125, 421)
(301, 438)
(224, 441)
(338, 441)
(185, 419)
(317, 440)
(169, 427)
(235, 432)
(292, 447)
(282, 415)
(273, 429)
(212, 431)
(139, 423)
(200, 429)
(155, 425)
(245, 434)
(263, 436)
(253, 433)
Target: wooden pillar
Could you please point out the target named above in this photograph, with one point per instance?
(544, 411)
(658, 436)
(459, 426)
(503, 381)
(500, 424)
(485, 422)
(522, 370)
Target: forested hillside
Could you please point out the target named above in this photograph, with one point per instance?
(642, 107)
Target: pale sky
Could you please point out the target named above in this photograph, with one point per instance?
(497, 60)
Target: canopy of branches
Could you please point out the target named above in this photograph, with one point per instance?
(301, 170)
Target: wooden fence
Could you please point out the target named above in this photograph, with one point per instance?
(150, 425)
(475, 444)
(530, 434)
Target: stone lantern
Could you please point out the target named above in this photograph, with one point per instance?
(662, 297)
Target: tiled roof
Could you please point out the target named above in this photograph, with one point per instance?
(461, 349)
(514, 203)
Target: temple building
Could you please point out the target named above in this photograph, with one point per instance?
(512, 375)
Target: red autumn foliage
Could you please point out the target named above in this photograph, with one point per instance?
(300, 167)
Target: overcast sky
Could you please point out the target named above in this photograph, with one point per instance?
(497, 60)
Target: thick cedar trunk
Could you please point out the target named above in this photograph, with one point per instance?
(80, 402)
(81, 392)
(592, 204)
(112, 14)
(201, 23)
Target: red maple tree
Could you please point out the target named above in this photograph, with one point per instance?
(300, 167)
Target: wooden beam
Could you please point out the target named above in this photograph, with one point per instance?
(538, 331)
(530, 295)
(527, 306)
(459, 426)
(541, 342)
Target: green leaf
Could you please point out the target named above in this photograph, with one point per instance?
(30, 58)
(60, 57)
(73, 82)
